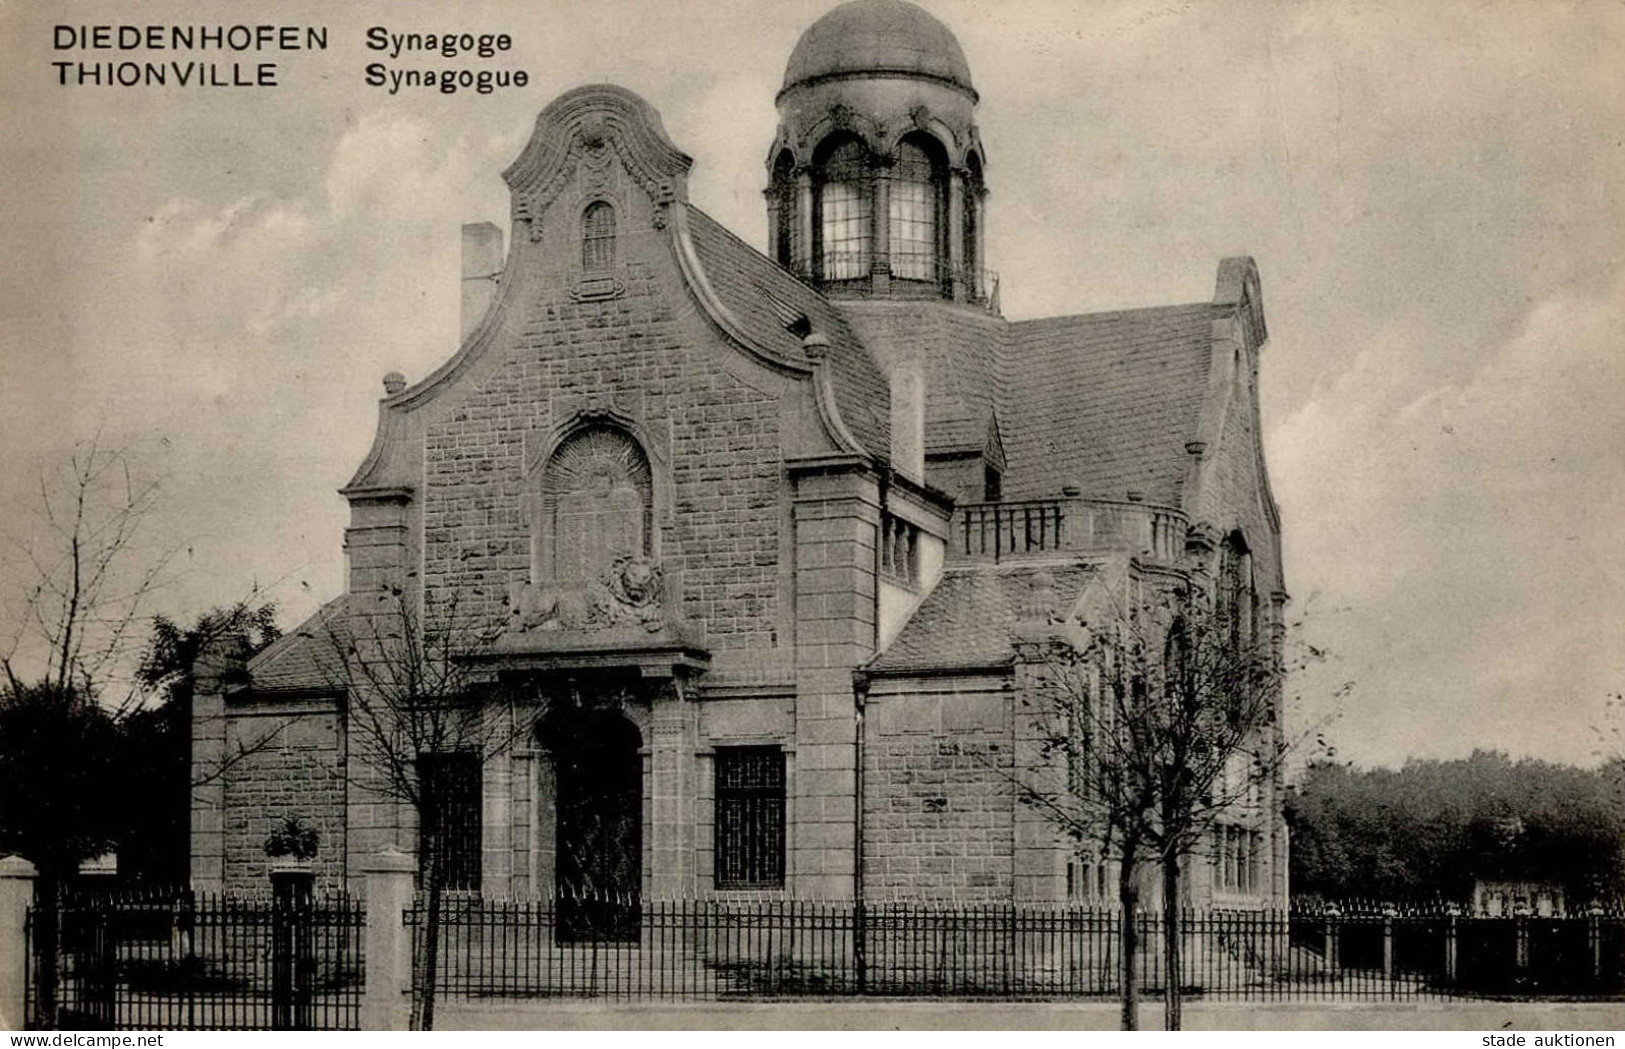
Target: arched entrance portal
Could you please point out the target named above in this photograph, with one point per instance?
(598, 821)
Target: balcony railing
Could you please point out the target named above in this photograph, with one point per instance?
(997, 531)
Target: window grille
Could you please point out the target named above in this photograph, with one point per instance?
(749, 818)
(845, 214)
(913, 215)
(450, 790)
(598, 236)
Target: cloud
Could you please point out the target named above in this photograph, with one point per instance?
(1467, 525)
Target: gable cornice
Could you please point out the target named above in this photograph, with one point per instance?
(587, 120)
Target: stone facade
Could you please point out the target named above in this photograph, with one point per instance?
(723, 517)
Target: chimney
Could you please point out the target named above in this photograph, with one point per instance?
(908, 417)
(482, 269)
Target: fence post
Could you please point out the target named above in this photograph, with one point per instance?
(860, 944)
(1452, 914)
(1333, 914)
(16, 892)
(1388, 916)
(387, 1003)
(1521, 933)
(1594, 938)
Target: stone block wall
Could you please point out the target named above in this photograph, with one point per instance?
(939, 805)
(291, 765)
(713, 438)
(837, 522)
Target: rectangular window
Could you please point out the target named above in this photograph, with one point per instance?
(450, 791)
(913, 230)
(846, 231)
(750, 818)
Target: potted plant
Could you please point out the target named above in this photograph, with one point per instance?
(291, 847)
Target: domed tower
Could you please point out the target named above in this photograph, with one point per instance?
(875, 176)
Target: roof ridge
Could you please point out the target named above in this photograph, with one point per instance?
(1100, 314)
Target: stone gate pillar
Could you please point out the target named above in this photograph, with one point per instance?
(672, 789)
(16, 892)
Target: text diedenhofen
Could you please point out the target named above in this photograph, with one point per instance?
(138, 65)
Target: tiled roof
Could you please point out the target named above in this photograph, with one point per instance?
(1105, 401)
(766, 299)
(969, 618)
(960, 349)
(305, 659)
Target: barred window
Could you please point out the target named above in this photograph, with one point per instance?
(750, 818)
(844, 213)
(915, 204)
(598, 236)
(450, 791)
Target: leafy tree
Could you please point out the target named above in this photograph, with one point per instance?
(59, 766)
(77, 583)
(156, 838)
(1431, 828)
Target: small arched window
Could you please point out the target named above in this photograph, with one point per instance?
(845, 222)
(1239, 595)
(598, 236)
(914, 216)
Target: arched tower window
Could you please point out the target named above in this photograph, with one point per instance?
(845, 219)
(784, 219)
(598, 236)
(915, 219)
(597, 505)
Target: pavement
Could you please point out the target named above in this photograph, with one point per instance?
(848, 1014)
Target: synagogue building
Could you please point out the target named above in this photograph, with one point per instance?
(765, 547)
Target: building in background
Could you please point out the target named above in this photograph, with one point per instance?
(720, 500)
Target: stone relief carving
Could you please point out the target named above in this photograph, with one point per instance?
(628, 592)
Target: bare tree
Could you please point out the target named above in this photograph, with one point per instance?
(407, 660)
(1152, 725)
(83, 573)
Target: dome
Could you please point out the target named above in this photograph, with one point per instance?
(878, 36)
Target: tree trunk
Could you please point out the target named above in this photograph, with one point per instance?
(1128, 897)
(431, 936)
(1173, 965)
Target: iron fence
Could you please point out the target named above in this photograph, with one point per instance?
(732, 948)
(181, 960)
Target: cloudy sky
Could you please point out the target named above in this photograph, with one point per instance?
(1431, 188)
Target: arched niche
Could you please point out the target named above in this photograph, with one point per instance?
(595, 504)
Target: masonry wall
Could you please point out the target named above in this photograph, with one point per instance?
(292, 765)
(713, 438)
(939, 805)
